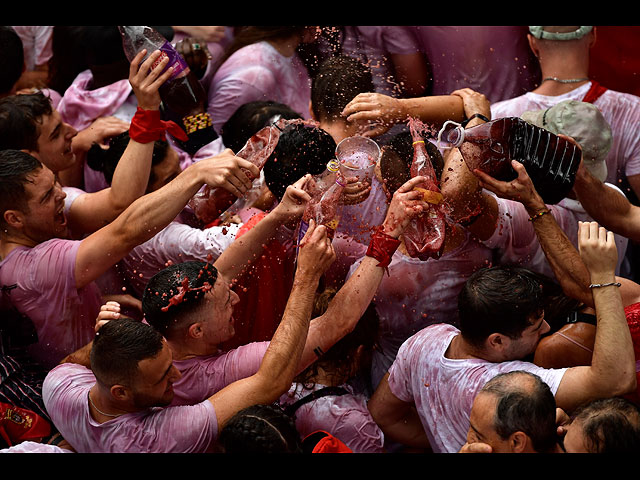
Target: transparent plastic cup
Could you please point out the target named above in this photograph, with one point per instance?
(358, 157)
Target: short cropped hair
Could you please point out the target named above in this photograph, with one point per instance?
(20, 120)
(524, 403)
(16, 168)
(173, 293)
(119, 346)
(501, 299)
(338, 81)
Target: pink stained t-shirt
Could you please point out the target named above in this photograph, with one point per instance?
(373, 44)
(258, 72)
(493, 60)
(64, 316)
(185, 429)
(443, 389)
(203, 376)
(346, 417)
(419, 293)
(620, 110)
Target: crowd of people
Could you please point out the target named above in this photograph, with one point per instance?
(169, 283)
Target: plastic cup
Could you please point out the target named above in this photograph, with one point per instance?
(358, 157)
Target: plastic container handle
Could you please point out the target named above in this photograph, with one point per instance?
(460, 135)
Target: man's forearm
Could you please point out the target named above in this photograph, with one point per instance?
(435, 109)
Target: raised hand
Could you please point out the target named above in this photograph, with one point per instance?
(375, 112)
(598, 250)
(521, 189)
(227, 171)
(293, 202)
(405, 205)
(316, 253)
(148, 77)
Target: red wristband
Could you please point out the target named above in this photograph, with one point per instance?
(147, 126)
(382, 247)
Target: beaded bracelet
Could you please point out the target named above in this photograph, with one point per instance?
(600, 285)
(538, 215)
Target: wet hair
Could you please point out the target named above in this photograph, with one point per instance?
(16, 168)
(502, 299)
(340, 357)
(106, 160)
(20, 120)
(301, 149)
(167, 318)
(610, 425)
(119, 346)
(524, 403)
(250, 118)
(11, 58)
(397, 156)
(260, 429)
(337, 82)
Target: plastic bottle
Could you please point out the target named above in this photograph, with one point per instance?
(210, 203)
(550, 160)
(424, 236)
(325, 191)
(183, 96)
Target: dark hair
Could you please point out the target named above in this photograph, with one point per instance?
(106, 160)
(20, 118)
(339, 358)
(260, 429)
(524, 404)
(501, 299)
(119, 346)
(610, 425)
(301, 149)
(15, 168)
(11, 58)
(250, 118)
(337, 82)
(171, 294)
(397, 156)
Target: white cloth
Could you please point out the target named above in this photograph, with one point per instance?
(443, 389)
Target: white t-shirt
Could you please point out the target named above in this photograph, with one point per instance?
(183, 429)
(443, 389)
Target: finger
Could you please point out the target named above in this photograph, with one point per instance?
(593, 230)
(247, 165)
(411, 184)
(135, 63)
(301, 182)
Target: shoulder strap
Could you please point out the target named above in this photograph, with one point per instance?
(323, 392)
(594, 92)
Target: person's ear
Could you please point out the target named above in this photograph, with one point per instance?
(120, 392)
(14, 219)
(519, 442)
(313, 117)
(195, 330)
(533, 45)
(497, 342)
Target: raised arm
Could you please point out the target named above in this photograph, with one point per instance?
(278, 367)
(612, 371)
(563, 258)
(92, 211)
(607, 206)
(154, 211)
(250, 246)
(383, 111)
(351, 301)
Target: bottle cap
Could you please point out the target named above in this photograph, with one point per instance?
(451, 137)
